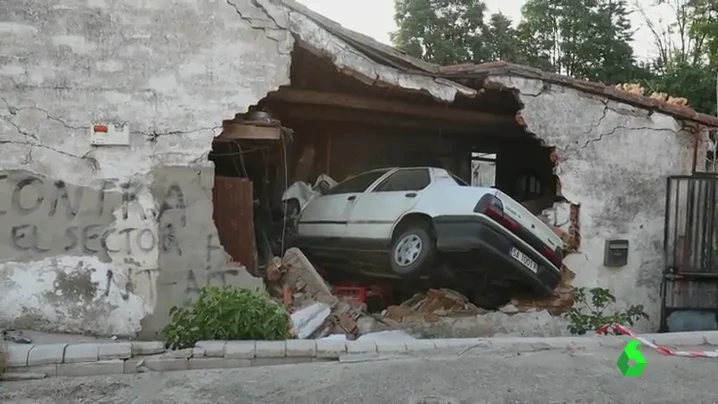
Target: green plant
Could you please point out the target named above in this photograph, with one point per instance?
(229, 313)
(590, 314)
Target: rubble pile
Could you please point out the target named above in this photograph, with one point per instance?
(315, 311)
(431, 306)
(561, 301)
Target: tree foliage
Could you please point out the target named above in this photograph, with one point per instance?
(686, 64)
(440, 31)
(587, 39)
(500, 40)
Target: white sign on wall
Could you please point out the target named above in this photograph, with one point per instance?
(110, 135)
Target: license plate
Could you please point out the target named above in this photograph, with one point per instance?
(526, 261)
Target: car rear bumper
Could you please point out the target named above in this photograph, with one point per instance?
(474, 232)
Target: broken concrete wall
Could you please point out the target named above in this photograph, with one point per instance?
(613, 162)
(97, 239)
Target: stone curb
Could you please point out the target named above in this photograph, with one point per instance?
(90, 359)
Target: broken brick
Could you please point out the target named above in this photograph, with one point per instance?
(397, 312)
(458, 298)
(574, 229)
(348, 324)
(417, 298)
(275, 290)
(287, 297)
(299, 268)
(520, 120)
(431, 317)
(432, 304)
(273, 270)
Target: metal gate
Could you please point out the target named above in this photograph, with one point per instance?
(690, 281)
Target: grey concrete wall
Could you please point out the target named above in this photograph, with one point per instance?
(614, 160)
(104, 239)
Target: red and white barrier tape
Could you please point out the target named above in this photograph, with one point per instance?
(663, 350)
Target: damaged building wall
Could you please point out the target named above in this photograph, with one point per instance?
(613, 160)
(97, 238)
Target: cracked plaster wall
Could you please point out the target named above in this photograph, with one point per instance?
(104, 240)
(613, 160)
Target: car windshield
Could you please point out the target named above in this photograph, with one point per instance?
(358, 183)
(459, 181)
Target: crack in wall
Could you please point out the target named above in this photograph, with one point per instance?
(42, 146)
(262, 7)
(19, 130)
(545, 87)
(154, 135)
(253, 22)
(151, 136)
(250, 20)
(14, 110)
(606, 108)
(619, 127)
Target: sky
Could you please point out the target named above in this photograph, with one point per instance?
(375, 18)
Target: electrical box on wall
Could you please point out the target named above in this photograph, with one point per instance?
(110, 135)
(615, 253)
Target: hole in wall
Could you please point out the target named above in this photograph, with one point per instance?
(328, 122)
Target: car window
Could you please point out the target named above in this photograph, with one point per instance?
(405, 180)
(356, 184)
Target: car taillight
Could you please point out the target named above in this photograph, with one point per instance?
(492, 207)
(553, 255)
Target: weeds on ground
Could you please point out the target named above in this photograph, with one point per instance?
(3, 359)
(590, 313)
(226, 314)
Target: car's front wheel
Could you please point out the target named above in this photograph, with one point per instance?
(412, 251)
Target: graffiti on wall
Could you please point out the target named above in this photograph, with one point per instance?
(84, 215)
(45, 217)
(211, 274)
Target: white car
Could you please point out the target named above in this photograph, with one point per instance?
(396, 222)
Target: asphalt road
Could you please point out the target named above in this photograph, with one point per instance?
(476, 377)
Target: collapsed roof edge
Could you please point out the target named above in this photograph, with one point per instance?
(376, 63)
(352, 61)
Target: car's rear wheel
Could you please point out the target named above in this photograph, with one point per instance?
(491, 297)
(412, 251)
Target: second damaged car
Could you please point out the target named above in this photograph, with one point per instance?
(424, 224)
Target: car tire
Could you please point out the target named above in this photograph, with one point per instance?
(291, 208)
(491, 297)
(412, 251)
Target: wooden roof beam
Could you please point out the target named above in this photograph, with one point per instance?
(312, 114)
(443, 113)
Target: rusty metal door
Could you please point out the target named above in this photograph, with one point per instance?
(234, 217)
(690, 280)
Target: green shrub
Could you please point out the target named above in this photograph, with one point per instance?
(226, 314)
(588, 315)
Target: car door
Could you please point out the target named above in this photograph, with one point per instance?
(377, 210)
(326, 216)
